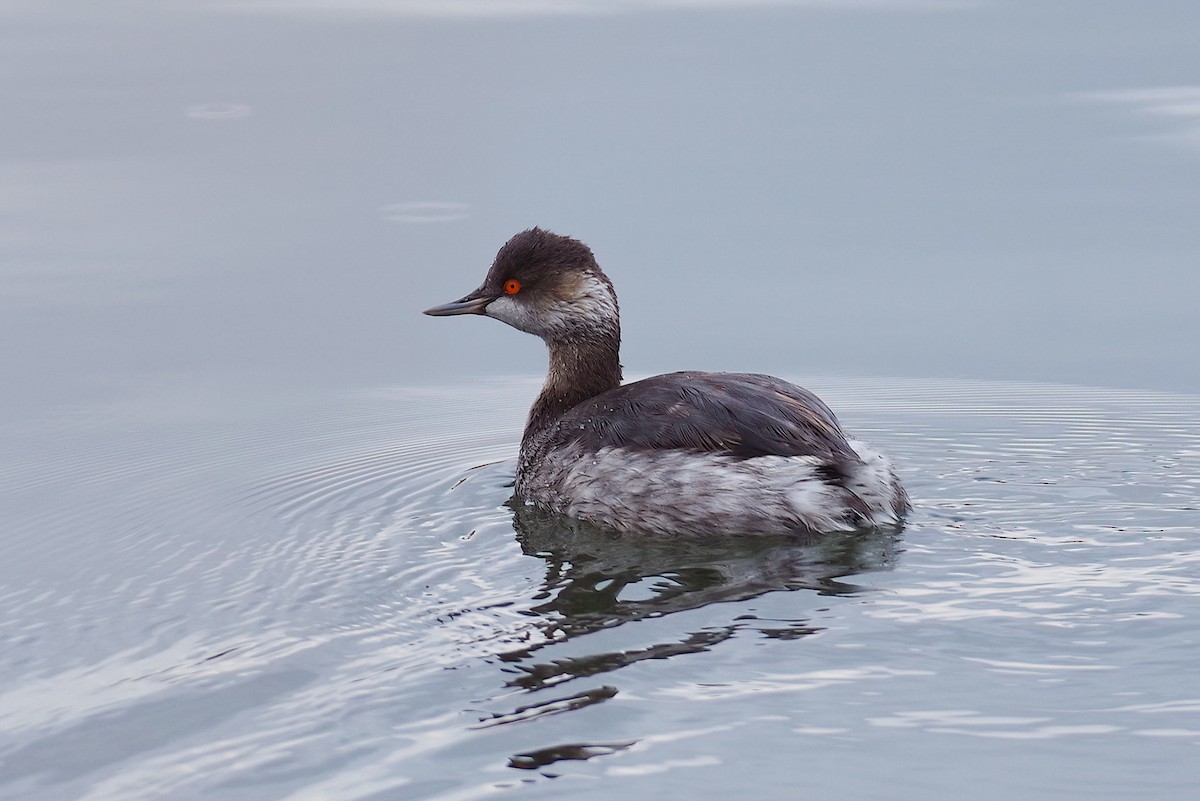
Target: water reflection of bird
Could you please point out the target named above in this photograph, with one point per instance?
(597, 579)
(691, 452)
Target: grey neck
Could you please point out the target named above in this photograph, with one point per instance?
(579, 369)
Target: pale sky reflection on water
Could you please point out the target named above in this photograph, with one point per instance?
(267, 193)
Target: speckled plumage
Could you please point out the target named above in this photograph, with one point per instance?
(707, 452)
(681, 453)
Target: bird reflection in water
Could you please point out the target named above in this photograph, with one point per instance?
(598, 579)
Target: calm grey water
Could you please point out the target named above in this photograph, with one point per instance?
(253, 534)
(333, 602)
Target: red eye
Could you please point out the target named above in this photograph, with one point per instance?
(512, 286)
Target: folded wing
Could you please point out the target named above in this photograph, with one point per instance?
(743, 415)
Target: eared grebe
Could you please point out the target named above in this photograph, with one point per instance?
(696, 453)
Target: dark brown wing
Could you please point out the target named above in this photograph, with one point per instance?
(741, 414)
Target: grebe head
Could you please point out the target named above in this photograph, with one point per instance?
(548, 285)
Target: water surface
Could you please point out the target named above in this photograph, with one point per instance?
(249, 607)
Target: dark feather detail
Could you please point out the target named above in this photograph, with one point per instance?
(743, 415)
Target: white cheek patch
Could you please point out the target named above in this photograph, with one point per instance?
(595, 299)
(507, 310)
(593, 307)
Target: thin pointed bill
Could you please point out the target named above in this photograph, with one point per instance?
(468, 305)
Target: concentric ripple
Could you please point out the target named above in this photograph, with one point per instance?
(335, 601)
